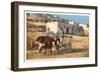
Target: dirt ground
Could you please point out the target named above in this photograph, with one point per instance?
(80, 48)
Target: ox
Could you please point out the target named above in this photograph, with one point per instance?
(47, 42)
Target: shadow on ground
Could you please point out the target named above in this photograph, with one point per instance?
(65, 51)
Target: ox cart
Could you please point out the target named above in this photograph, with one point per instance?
(66, 43)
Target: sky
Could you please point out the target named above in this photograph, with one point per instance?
(76, 18)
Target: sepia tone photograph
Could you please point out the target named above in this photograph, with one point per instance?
(56, 35)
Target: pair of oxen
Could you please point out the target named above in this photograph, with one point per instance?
(46, 43)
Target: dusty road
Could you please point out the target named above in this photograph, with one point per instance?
(75, 53)
(80, 48)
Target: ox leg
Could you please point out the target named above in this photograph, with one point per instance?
(50, 50)
(57, 48)
(45, 51)
(40, 50)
